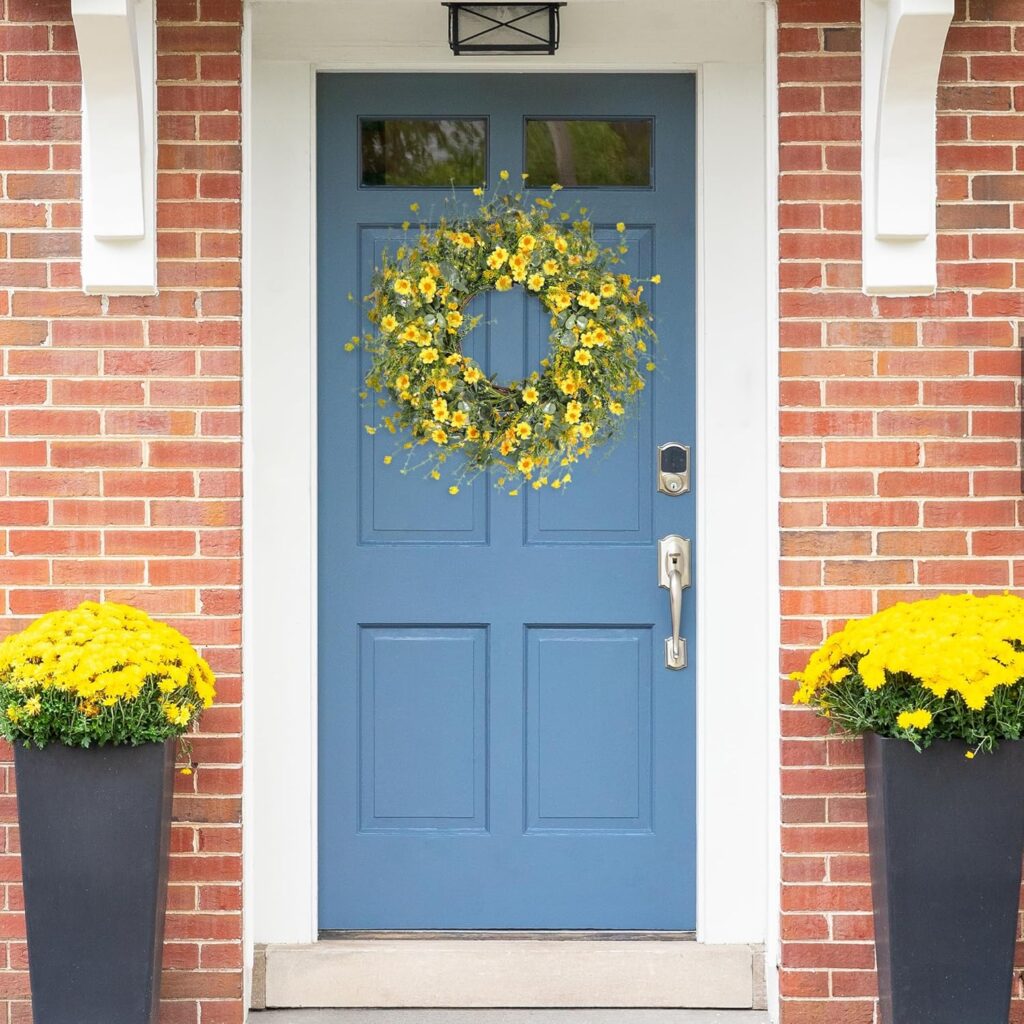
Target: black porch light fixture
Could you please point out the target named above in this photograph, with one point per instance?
(475, 28)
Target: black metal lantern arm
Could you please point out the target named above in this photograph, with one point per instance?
(511, 19)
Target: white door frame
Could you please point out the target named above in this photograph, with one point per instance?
(724, 43)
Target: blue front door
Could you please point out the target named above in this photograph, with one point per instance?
(500, 743)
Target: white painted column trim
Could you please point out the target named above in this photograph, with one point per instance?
(249, 803)
(773, 781)
(903, 42)
(281, 488)
(732, 528)
(117, 49)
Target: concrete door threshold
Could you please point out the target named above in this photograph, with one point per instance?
(508, 1017)
(483, 972)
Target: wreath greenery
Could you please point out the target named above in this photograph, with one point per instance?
(529, 430)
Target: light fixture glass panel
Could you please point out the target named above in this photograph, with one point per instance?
(506, 28)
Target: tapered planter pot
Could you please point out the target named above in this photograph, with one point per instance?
(95, 837)
(946, 838)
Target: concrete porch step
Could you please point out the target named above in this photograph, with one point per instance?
(479, 971)
(507, 1017)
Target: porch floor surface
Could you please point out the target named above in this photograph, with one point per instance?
(507, 1017)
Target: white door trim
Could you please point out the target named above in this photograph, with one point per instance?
(723, 42)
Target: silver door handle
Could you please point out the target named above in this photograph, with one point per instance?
(674, 576)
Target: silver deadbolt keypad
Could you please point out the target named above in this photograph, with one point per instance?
(673, 468)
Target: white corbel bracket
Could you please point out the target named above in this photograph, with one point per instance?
(117, 48)
(903, 42)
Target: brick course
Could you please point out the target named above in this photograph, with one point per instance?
(900, 429)
(120, 446)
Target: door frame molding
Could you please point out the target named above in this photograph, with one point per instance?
(735, 445)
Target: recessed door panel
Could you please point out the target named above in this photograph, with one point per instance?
(611, 497)
(394, 507)
(588, 726)
(423, 728)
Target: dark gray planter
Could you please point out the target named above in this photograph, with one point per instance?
(95, 837)
(946, 837)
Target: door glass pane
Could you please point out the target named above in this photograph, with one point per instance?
(422, 152)
(591, 153)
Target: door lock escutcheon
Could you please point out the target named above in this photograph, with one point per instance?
(674, 576)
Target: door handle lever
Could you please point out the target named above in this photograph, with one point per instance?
(674, 576)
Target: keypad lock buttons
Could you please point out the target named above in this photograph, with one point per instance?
(673, 468)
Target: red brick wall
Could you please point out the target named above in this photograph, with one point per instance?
(119, 437)
(900, 429)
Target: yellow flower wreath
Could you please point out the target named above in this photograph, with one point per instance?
(531, 429)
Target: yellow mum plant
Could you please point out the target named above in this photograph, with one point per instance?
(103, 673)
(951, 667)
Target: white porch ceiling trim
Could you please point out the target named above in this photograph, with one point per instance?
(117, 48)
(903, 42)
